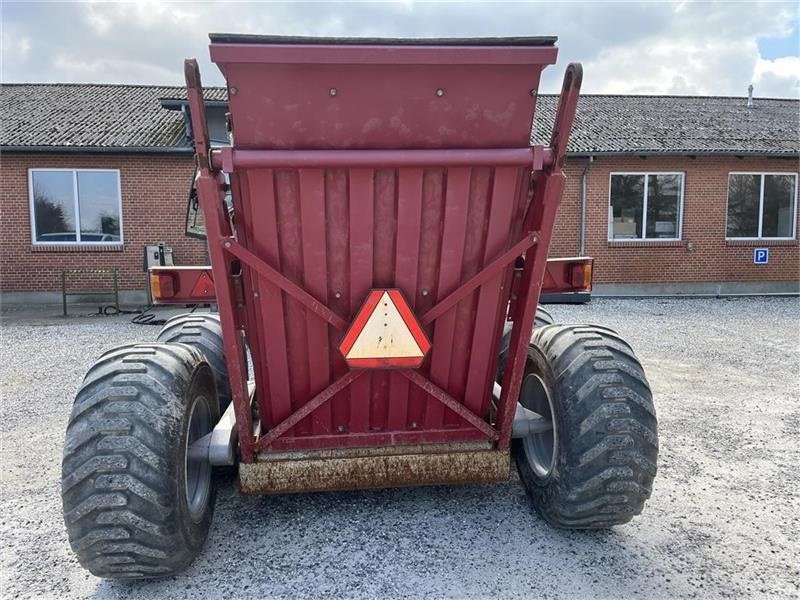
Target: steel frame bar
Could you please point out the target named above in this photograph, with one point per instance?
(345, 380)
(309, 407)
(210, 193)
(288, 286)
(541, 216)
(229, 159)
(262, 268)
(378, 438)
(462, 411)
(479, 278)
(565, 116)
(380, 54)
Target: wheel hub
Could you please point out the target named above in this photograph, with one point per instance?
(198, 468)
(539, 446)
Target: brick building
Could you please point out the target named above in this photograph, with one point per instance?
(669, 194)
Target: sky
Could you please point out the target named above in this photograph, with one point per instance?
(683, 48)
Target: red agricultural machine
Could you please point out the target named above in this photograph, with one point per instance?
(380, 270)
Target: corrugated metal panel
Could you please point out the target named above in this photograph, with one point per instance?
(339, 233)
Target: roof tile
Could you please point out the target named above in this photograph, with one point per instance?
(132, 117)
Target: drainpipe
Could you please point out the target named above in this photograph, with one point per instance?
(582, 238)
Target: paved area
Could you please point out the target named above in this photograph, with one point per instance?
(723, 520)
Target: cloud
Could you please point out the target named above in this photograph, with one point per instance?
(774, 77)
(686, 48)
(674, 67)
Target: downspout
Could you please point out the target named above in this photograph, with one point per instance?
(582, 238)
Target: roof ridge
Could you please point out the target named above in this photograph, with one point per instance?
(671, 96)
(74, 115)
(116, 85)
(549, 95)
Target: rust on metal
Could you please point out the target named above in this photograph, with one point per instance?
(377, 451)
(373, 471)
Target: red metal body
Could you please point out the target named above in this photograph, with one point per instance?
(364, 165)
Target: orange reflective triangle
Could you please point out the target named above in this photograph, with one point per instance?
(385, 334)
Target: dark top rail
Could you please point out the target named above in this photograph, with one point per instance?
(244, 38)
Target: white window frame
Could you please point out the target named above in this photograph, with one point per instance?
(642, 239)
(760, 207)
(77, 241)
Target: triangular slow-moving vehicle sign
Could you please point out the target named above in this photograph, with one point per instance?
(385, 334)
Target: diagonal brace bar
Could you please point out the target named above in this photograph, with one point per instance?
(309, 407)
(462, 411)
(481, 277)
(291, 288)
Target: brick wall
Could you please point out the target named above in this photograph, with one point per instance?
(154, 192)
(702, 255)
(154, 196)
(566, 234)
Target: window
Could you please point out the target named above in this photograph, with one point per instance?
(645, 206)
(71, 206)
(762, 205)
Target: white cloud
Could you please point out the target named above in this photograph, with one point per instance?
(714, 66)
(704, 50)
(106, 70)
(686, 48)
(775, 77)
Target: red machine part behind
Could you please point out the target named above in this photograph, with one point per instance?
(195, 285)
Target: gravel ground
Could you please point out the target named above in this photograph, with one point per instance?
(723, 520)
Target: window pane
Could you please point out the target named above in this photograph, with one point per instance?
(627, 201)
(98, 204)
(778, 206)
(743, 195)
(53, 206)
(663, 205)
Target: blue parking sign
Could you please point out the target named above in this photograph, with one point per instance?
(760, 256)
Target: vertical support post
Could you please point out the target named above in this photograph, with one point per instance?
(548, 186)
(64, 291)
(116, 288)
(211, 196)
(547, 194)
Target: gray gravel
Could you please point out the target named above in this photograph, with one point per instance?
(723, 520)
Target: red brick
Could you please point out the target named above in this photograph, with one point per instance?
(154, 194)
(712, 259)
(155, 188)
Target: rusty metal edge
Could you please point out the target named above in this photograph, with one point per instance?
(438, 448)
(373, 472)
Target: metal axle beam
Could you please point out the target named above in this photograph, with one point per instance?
(526, 422)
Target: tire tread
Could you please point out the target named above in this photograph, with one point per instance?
(608, 426)
(117, 467)
(202, 331)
